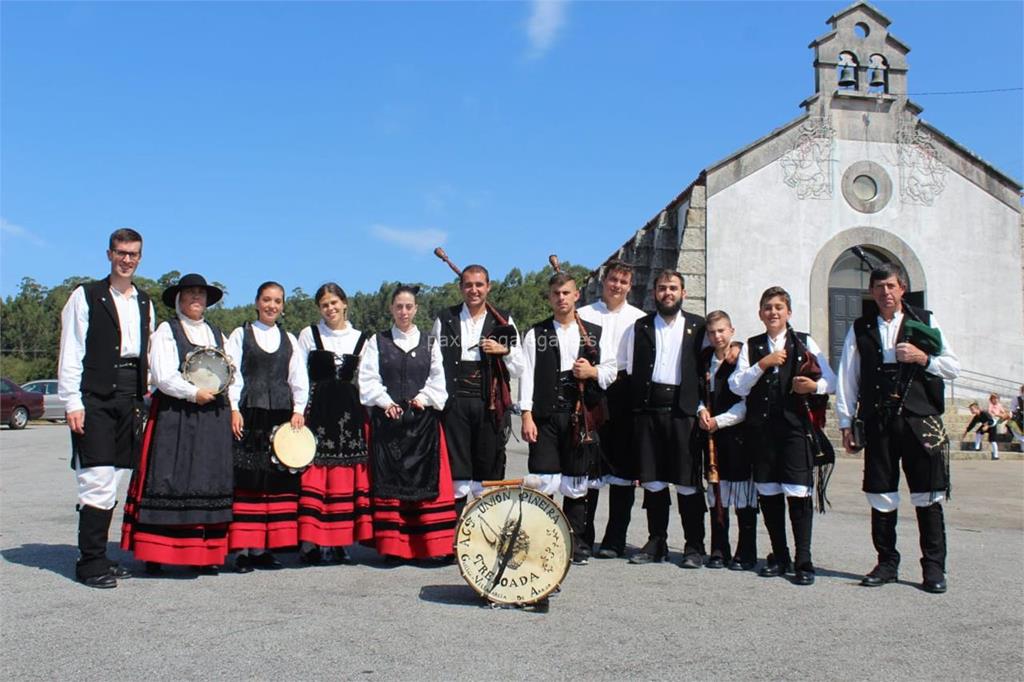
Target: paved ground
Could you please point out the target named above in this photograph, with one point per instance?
(611, 620)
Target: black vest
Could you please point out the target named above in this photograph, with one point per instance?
(722, 398)
(103, 340)
(925, 395)
(547, 366)
(644, 352)
(773, 392)
(265, 374)
(185, 347)
(322, 364)
(450, 339)
(403, 374)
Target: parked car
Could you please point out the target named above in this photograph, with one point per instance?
(53, 406)
(17, 405)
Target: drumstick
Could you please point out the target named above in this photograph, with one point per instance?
(529, 481)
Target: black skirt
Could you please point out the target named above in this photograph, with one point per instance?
(254, 470)
(189, 474)
(338, 421)
(406, 456)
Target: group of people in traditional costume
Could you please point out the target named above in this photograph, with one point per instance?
(409, 426)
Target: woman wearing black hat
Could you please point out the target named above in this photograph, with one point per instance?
(401, 377)
(179, 502)
(271, 389)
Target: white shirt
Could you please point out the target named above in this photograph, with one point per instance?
(668, 343)
(338, 341)
(470, 330)
(946, 364)
(164, 364)
(269, 339)
(613, 323)
(743, 378)
(568, 349)
(735, 414)
(74, 320)
(372, 391)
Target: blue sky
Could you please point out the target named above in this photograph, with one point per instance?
(307, 142)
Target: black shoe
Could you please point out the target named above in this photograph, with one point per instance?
(803, 577)
(655, 551)
(266, 562)
(336, 555)
(934, 586)
(773, 568)
(313, 557)
(609, 552)
(580, 559)
(692, 561)
(739, 564)
(104, 581)
(119, 572)
(154, 568)
(879, 576)
(207, 570)
(243, 564)
(715, 561)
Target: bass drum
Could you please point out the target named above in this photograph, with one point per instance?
(513, 545)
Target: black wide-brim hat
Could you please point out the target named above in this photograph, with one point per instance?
(213, 294)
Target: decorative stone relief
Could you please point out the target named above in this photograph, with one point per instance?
(922, 173)
(807, 167)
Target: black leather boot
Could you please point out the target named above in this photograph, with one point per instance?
(620, 508)
(932, 527)
(691, 512)
(746, 542)
(460, 505)
(576, 514)
(593, 496)
(720, 550)
(773, 508)
(93, 567)
(656, 549)
(801, 517)
(883, 536)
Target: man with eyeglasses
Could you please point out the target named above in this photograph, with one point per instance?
(105, 330)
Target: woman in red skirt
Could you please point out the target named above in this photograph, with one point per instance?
(270, 390)
(334, 499)
(179, 501)
(401, 379)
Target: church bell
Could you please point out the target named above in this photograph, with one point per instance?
(847, 77)
(877, 78)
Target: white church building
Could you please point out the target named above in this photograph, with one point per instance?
(858, 168)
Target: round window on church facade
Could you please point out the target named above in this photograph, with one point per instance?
(866, 187)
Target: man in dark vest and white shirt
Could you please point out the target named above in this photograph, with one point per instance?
(661, 354)
(561, 354)
(897, 390)
(102, 377)
(472, 341)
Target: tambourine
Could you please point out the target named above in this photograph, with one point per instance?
(291, 449)
(513, 545)
(208, 368)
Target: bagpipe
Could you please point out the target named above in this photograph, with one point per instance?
(590, 413)
(928, 339)
(812, 413)
(713, 477)
(499, 393)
